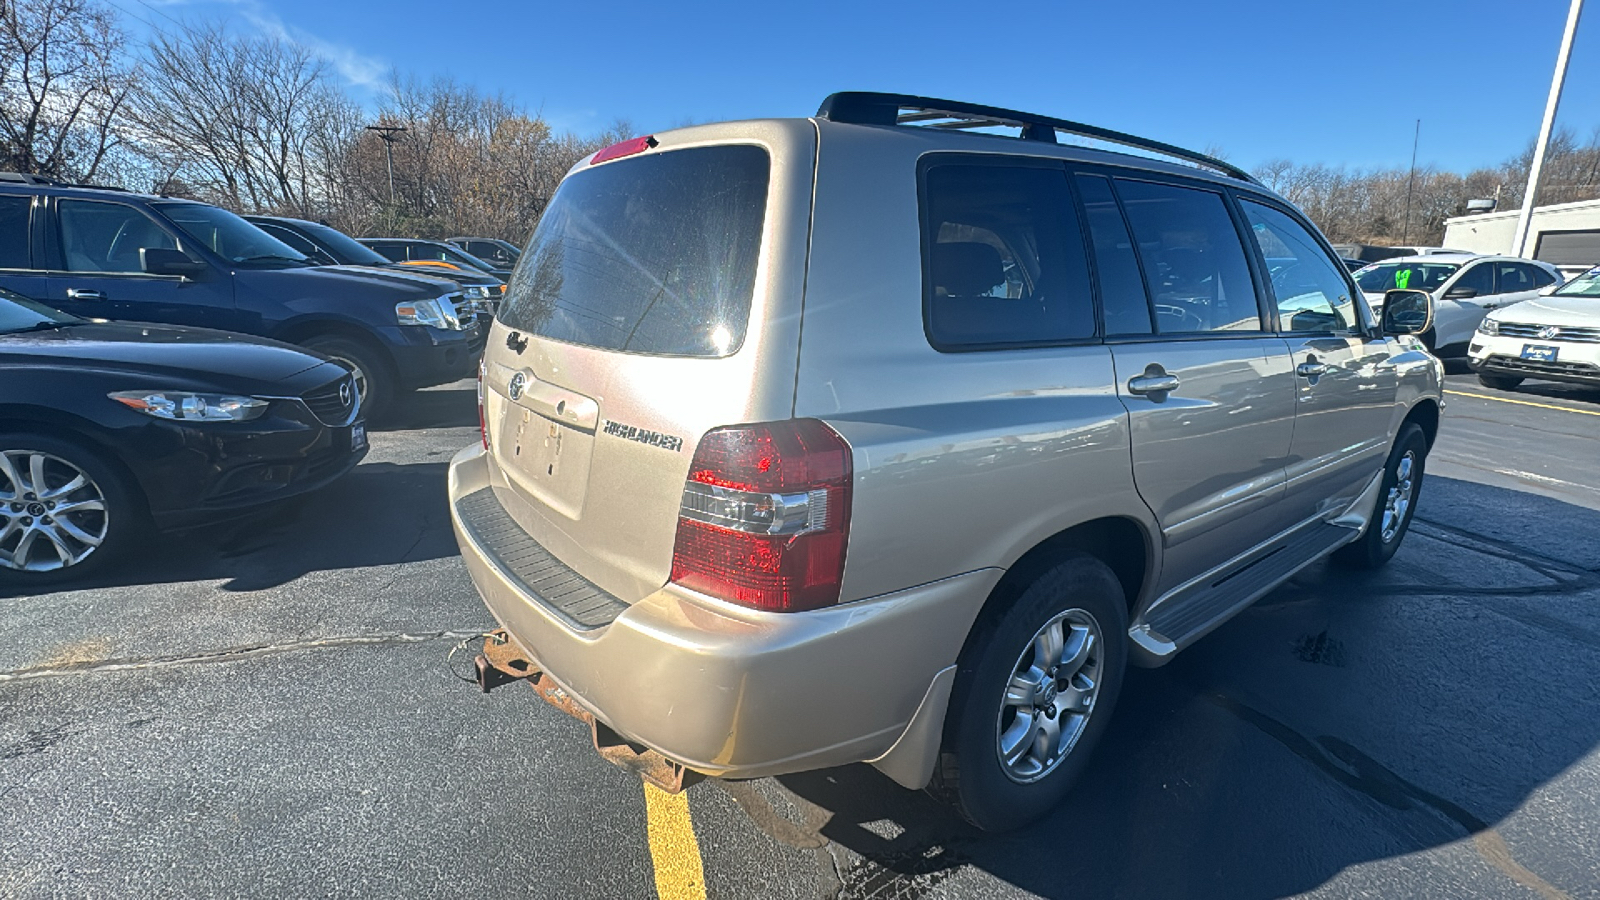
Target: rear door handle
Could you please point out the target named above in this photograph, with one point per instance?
(1311, 369)
(84, 294)
(1152, 383)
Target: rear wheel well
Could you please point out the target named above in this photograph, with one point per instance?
(1426, 416)
(1119, 543)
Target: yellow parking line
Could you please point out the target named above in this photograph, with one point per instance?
(1581, 412)
(673, 848)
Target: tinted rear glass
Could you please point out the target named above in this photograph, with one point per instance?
(655, 254)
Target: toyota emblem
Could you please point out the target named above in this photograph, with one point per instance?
(344, 393)
(1548, 332)
(519, 383)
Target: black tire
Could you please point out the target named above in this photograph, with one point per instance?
(368, 366)
(1500, 382)
(971, 774)
(1373, 549)
(120, 525)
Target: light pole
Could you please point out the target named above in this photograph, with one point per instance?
(1411, 176)
(389, 134)
(1531, 195)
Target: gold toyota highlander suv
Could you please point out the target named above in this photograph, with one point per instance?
(880, 436)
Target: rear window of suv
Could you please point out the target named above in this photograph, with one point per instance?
(654, 254)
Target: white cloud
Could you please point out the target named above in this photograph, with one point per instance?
(351, 65)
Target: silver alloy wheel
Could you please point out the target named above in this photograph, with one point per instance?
(52, 514)
(1398, 501)
(1050, 696)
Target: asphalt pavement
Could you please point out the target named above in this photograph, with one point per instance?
(267, 709)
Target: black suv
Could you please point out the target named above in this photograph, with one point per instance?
(108, 254)
(491, 250)
(330, 246)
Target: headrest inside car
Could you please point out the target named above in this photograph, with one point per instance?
(966, 268)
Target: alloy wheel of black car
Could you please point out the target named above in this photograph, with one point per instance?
(61, 508)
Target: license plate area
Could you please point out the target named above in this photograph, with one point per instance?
(358, 436)
(1539, 352)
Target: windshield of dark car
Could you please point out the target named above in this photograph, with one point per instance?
(1585, 285)
(1410, 276)
(231, 237)
(346, 248)
(18, 313)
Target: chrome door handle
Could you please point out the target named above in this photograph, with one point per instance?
(84, 294)
(1153, 384)
(1311, 369)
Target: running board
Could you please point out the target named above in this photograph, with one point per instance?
(1185, 618)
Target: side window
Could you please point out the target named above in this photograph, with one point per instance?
(1541, 278)
(1122, 294)
(1514, 277)
(391, 252)
(107, 237)
(1005, 261)
(1193, 260)
(14, 252)
(1480, 278)
(1310, 289)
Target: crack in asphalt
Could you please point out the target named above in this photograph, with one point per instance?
(232, 654)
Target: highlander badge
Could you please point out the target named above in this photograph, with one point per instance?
(519, 383)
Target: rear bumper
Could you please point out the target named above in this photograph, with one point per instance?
(728, 691)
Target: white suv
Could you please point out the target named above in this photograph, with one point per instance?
(1555, 338)
(1465, 287)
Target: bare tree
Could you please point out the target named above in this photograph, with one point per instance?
(63, 82)
(254, 123)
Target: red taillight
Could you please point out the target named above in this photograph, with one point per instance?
(625, 148)
(765, 517)
(483, 424)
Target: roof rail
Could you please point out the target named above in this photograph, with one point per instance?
(50, 181)
(868, 108)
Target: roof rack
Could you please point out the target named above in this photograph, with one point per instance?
(868, 108)
(49, 181)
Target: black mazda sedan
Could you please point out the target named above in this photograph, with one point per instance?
(107, 429)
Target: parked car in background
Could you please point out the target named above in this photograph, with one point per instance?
(492, 250)
(107, 429)
(1375, 253)
(1465, 287)
(327, 245)
(100, 253)
(1353, 264)
(1551, 338)
(817, 441)
(417, 250)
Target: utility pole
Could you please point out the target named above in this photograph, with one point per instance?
(1531, 195)
(389, 134)
(1411, 176)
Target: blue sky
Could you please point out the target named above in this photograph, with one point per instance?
(1337, 83)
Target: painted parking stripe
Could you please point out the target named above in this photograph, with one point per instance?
(673, 848)
(1581, 412)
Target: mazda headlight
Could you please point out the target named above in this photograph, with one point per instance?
(183, 406)
(1489, 326)
(438, 312)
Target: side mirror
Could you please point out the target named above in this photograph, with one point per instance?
(1407, 312)
(166, 261)
(1460, 293)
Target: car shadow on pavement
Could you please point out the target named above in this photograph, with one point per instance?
(378, 514)
(1347, 718)
(450, 407)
